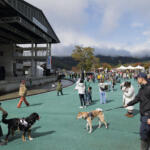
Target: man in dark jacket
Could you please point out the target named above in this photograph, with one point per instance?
(143, 97)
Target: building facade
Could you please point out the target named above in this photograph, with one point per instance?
(23, 27)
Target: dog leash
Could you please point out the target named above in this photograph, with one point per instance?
(114, 108)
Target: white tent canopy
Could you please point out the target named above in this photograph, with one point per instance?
(122, 68)
(100, 68)
(131, 68)
(139, 67)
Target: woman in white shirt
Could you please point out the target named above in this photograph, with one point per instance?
(80, 86)
(128, 95)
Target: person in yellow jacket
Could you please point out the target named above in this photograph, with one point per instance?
(98, 78)
(22, 94)
(59, 88)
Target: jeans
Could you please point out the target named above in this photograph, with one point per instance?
(89, 97)
(102, 97)
(145, 145)
(145, 133)
(82, 100)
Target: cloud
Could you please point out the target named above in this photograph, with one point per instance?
(146, 33)
(71, 38)
(63, 14)
(137, 25)
(72, 19)
(113, 11)
(73, 14)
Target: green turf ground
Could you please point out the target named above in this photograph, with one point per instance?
(58, 128)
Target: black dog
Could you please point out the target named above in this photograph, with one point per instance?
(23, 124)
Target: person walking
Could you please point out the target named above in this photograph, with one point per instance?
(1, 131)
(143, 97)
(128, 96)
(22, 94)
(102, 92)
(87, 93)
(59, 88)
(80, 86)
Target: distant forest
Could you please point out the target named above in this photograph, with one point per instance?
(69, 62)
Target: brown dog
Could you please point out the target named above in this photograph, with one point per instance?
(89, 116)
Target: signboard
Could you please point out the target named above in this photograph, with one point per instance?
(40, 25)
(49, 66)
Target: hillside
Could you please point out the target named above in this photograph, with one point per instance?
(68, 62)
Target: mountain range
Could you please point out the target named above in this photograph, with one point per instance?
(67, 62)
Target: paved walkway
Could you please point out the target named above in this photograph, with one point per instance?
(58, 128)
(35, 90)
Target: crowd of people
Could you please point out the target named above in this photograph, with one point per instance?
(106, 82)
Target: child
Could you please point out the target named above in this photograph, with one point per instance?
(59, 88)
(89, 93)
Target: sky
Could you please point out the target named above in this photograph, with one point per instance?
(111, 27)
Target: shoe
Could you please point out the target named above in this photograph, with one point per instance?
(84, 106)
(130, 116)
(81, 106)
(127, 114)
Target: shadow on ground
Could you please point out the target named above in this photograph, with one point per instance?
(109, 101)
(34, 134)
(94, 102)
(32, 105)
(95, 127)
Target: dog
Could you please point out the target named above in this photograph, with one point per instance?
(21, 124)
(89, 116)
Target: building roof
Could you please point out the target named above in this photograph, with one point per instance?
(21, 23)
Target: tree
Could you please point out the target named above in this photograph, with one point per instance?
(136, 64)
(75, 69)
(96, 64)
(146, 65)
(85, 57)
(106, 65)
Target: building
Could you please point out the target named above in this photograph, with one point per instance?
(22, 23)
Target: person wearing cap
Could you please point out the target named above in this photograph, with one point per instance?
(1, 132)
(143, 97)
(22, 94)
